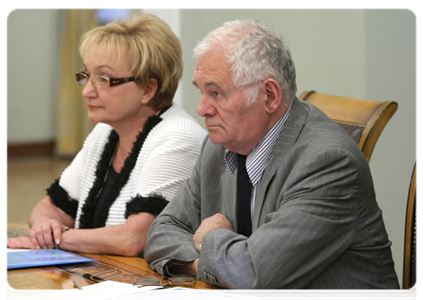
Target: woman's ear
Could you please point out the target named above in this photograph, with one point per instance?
(149, 90)
(274, 95)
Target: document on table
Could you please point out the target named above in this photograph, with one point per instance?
(43, 257)
(101, 291)
(8, 250)
(180, 293)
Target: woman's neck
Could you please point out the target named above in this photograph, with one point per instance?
(128, 134)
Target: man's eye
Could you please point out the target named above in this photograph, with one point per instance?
(216, 94)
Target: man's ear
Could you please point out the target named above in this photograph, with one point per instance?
(274, 95)
(150, 90)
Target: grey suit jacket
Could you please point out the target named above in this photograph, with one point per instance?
(316, 221)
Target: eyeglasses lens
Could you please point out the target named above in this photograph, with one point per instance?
(182, 281)
(147, 281)
(172, 281)
(81, 78)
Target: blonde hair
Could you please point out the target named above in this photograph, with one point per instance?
(150, 49)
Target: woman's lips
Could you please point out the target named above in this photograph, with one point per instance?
(92, 107)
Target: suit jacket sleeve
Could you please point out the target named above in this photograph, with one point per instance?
(312, 224)
(171, 234)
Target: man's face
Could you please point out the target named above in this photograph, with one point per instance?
(228, 119)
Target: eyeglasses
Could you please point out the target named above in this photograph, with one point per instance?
(188, 281)
(101, 82)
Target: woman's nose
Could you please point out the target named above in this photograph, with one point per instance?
(88, 90)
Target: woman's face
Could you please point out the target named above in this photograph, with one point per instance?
(116, 105)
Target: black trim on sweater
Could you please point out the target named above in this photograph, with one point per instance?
(100, 176)
(61, 199)
(122, 178)
(152, 204)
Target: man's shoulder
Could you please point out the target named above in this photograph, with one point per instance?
(212, 151)
(321, 129)
(310, 131)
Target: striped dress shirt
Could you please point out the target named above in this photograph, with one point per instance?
(257, 159)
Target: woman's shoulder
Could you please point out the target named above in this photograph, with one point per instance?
(99, 134)
(177, 121)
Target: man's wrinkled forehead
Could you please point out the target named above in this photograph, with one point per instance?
(212, 63)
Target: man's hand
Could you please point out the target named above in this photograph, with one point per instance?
(209, 224)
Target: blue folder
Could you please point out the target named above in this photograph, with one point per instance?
(44, 257)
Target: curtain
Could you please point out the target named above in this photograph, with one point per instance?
(73, 124)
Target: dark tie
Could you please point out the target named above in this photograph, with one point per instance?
(243, 198)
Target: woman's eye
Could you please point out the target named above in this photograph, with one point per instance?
(103, 79)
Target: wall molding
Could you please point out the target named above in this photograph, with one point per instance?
(30, 149)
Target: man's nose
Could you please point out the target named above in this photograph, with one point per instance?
(206, 107)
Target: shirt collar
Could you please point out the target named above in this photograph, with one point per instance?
(257, 159)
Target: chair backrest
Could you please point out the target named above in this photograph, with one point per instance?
(364, 120)
(409, 268)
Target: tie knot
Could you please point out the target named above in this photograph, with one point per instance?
(242, 164)
(241, 159)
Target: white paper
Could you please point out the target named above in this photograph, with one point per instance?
(16, 250)
(101, 291)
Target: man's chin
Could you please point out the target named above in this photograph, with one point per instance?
(215, 139)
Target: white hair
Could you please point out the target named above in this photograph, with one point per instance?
(255, 52)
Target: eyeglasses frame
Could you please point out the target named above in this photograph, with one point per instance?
(164, 281)
(111, 81)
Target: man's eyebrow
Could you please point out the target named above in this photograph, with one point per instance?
(208, 84)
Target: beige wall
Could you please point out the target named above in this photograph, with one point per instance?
(357, 53)
(33, 45)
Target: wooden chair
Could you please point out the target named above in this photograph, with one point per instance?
(364, 120)
(409, 268)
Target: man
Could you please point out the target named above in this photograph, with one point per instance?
(305, 217)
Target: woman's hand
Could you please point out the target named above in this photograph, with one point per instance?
(46, 233)
(21, 242)
(47, 221)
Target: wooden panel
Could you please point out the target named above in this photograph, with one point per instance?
(409, 268)
(108, 267)
(346, 110)
(44, 278)
(30, 149)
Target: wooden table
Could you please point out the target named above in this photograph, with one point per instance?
(108, 267)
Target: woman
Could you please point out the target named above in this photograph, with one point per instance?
(133, 161)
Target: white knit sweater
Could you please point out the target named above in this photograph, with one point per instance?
(166, 159)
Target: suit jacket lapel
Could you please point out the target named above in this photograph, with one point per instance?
(287, 138)
(228, 182)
